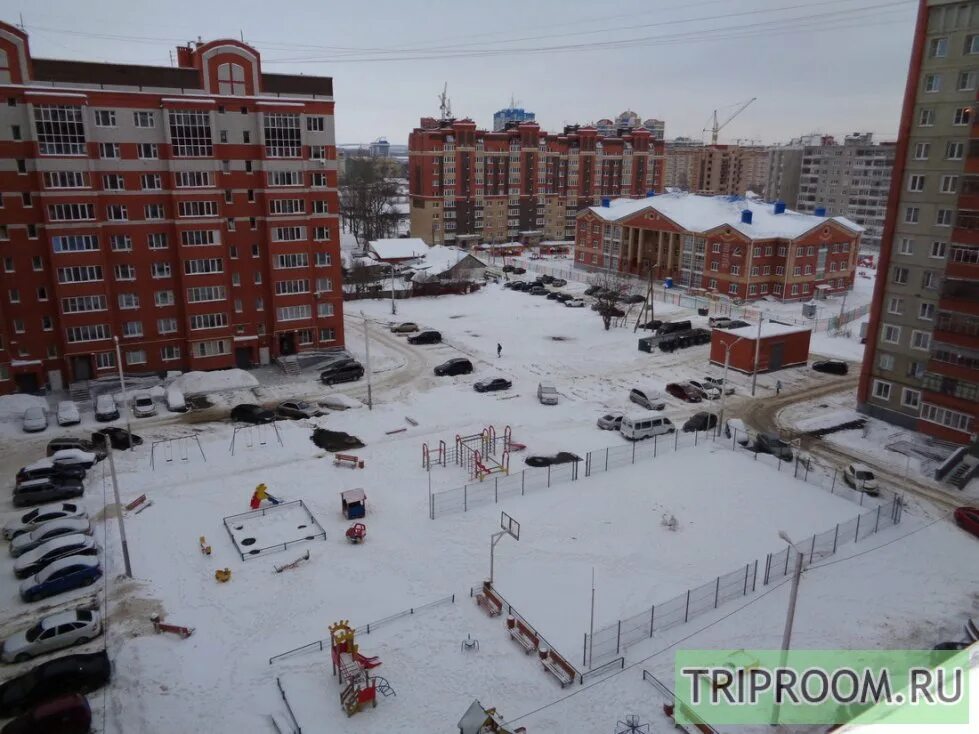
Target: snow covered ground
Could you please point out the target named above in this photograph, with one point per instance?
(914, 590)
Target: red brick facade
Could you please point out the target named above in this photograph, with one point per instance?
(192, 212)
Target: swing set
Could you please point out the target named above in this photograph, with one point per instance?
(176, 448)
(256, 435)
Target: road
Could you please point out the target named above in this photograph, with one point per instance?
(763, 415)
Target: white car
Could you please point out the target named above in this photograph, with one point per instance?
(862, 478)
(35, 419)
(39, 515)
(35, 561)
(54, 632)
(143, 405)
(73, 456)
(575, 303)
(736, 427)
(68, 413)
(710, 392)
(610, 421)
(28, 541)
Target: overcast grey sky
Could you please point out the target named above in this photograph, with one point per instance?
(832, 66)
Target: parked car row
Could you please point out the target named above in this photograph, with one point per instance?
(58, 476)
(36, 419)
(49, 697)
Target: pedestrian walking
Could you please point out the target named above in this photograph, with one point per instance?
(499, 350)
(778, 386)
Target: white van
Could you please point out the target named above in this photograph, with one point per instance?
(175, 401)
(637, 426)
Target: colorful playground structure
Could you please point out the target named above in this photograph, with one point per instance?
(353, 669)
(260, 495)
(480, 454)
(353, 504)
(356, 533)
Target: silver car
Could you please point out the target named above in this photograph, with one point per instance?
(54, 632)
(28, 541)
(45, 513)
(35, 419)
(610, 421)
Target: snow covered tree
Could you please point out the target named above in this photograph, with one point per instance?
(612, 287)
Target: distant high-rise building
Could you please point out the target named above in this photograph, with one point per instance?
(380, 148)
(503, 117)
(656, 127)
(715, 169)
(520, 183)
(920, 369)
(630, 120)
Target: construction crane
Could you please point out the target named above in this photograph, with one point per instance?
(718, 126)
(445, 105)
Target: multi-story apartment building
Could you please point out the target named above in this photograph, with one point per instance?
(511, 114)
(715, 169)
(469, 185)
(785, 164)
(740, 247)
(921, 366)
(189, 212)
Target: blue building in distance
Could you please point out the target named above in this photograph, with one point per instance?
(511, 114)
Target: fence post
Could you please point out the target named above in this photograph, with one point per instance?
(806, 477)
(633, 452)
(496, 490)
(836, 537)
(465, 497)
(695, 437)
(431, 507)
(787, 554)
(795, 469)
(812, 548)
(654, 445)
(584, 652)
(856, 535)
(877, 521)
(686, 612)
(523, 475)
(588, 464)
(717, 591)
(652, 619)
(548, 475)
(606, 458)
(832, 488)
(676, 440)
(618, 637)
(746, 567)
(768, 567)
(861, 498)
(754, 576)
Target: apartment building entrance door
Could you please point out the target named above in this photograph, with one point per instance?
(776, 357)
(287, 343)
(81, 368)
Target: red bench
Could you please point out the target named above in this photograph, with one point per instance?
(490, 603)
(522, 634)
(348, 460)
(558, 667)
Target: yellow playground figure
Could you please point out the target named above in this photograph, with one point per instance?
(260, 495)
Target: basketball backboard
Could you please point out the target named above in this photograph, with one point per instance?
(510, 525)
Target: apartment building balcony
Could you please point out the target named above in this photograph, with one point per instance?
(959, 296)
(963, 262)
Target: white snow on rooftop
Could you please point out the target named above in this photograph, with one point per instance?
(767, 329)
(703, 213)
(439, 258)
(397, 249)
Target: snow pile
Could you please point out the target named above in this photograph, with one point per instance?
(828, 420)
(339, 401)
(12, 407)
(197, 383)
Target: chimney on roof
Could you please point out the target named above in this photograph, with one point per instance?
(746, 216)
(820, 211)
(185, 57)
(606, 201)
(780, 207)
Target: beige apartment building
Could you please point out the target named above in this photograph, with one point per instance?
(715, 169)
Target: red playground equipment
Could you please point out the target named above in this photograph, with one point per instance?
(362, 687)
(476, 453)
(356, 532)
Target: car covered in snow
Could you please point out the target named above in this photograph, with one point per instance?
(709, 392)
(404, 328)
(575, 303)
(68, 414)
(29, 541)
(610, 421)
(862, 478)
(77, 457)
(143, 405)
(106, 409)
(647, 398)
(65, 574)
(35, 419)
(34, 561)
(39, 515)
(769, 443)
(492, 384)
(45, 468)
(67, 443)
(736, 427)
(547, 394)
(50, 633)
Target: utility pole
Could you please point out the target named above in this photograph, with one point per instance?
(394, 308)
(125, 396)
(649, 299)
(591, 623)
(727, 363)
(754, 372)
(367, 359)
(119, 509)
(790, 613)
(842, 306)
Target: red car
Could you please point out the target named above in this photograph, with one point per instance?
(967, 518)
(683, 391)
(65, 715)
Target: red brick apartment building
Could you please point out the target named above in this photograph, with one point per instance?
(724, 244)
(520, 183)
(921, 366)
(189, 211)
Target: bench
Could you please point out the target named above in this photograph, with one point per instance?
(558, 667)
(490, 603)
(523, 634)
(348, 460)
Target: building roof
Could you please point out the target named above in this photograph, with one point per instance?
(398, 249)
(697, 213)
(769, 328)
(439, 259)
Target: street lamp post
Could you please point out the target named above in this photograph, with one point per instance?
(754, 372)
(394, 308)
(727, 363)
(790, 612)
(125, 396)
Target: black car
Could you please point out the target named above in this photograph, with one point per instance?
(592, 290)
(672, 327)
(456, 366)
(517, 270)
(651, 325)
(700, 422)
(546, 279)
(426, 337)
(519, 285)
(552, 296)
(737, 324)
(604, 308)
(559, 282)
(507, 268)
(50, 489)
(343, 372)
(118, 438)
(564, 297)
(68, 674)
(538, 290)
(58, 471)
(769, 443)
(493, 384)
(634, 298)
(248, 413)
(831, 366)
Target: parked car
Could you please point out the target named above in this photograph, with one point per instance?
(297, 409)
(831, 366)
(737, 324)
(68, 414)
(34, 561)
(143, 405)
(517, 270)
(250, 413)
(575, 303)
(46, 468)
(51, 489)
(454, 366)
(710, 392)
(51, 633)
(612, 311)
(610, 421)
(592, 290)
(176, 402)
(633, 298)
(39, 515)
(769, 443)
(563, 297)
(967, 518)
(507, 268)
(559, 282)
(672, 327)
(719, 322)
(647, 398)
(86, 458)
(118, 438)
(546, 278)
(68, 674)
(342, 372)
(700, 422)
(404, 328)
(736, 427)
(637, 426)
(684, 391)
(519, 285)
(861, 477)
(35, 419)
(553, 295)
(65, 574)
(718, 382)
(426, 337)
(651, 325)
(493, 384)
(44, 532)
(538, 290)
(106, 409)
(72, 443)
(68, 714)
(546, 394)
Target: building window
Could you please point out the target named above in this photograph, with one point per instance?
(926, 311)
(193, 179)
(42, 293)
(906, 246)
(285, 178)
(911, 215)
(901, 275)
(949, 185)
(157, 241)
(200, 237)
(166, 326)
(324, 309)
(150, 182)
(971, 44)
(316, 124)
(890, 334)
(65, 180)
(882, 390)
(204, 266)
(70, 212)
(929, 280)
(147, 151)
(885, 362)
(75, 243)
(163, 298)
(945, 417)
(732, 288)
(895, 306)
(921, 151)
(197, 209)
(121, 243)
(160, 270)
(169, 353)
(954, 150)
(116, 213)
(920, 340)
(938, 249)
(132, 328)
(60, 130)
(190, 134)
(125, 272)
(231, 79)
(961, 116)
(128, 301)
(323, 259)
(211, 348)
(966, 81)
(916, 182)
(144, 118)
(943, 217)
(319, 180)
(938, 48)
(282, 136)
(154, 212)
(136, 356)
(108, 150)
(80, 274)
(926, 117)
(933, 82)
(208, 321)
(113, 182)
(105, 360)
(321, 234)
(328, 335)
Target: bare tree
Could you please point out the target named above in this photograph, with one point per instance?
(371, 204)
(612, 287)
(362, 277)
